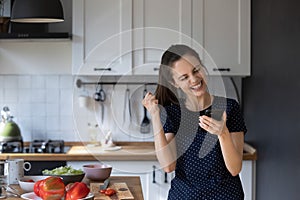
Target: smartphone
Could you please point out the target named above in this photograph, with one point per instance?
(215, 114)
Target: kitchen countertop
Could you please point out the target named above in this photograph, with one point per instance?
(133, 183)
(130, 151)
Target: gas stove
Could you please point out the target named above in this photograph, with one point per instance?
(11, 146)
(49, 146)
(35, 146)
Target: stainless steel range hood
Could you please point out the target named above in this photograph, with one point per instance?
(32, 31)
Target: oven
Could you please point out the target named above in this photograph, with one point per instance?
(36, 146)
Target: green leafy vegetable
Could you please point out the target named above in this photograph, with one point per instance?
(66, 170)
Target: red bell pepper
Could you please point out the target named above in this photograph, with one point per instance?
(51, 188)
(36, 187)
(76, 191)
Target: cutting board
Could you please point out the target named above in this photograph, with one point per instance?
(122, 190)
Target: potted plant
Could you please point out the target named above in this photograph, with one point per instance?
(4, 17)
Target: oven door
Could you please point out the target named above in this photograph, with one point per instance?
(38, 166)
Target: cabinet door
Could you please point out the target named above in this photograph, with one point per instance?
(160, 184)
(225, 35)
(158, 24)
(101, 40)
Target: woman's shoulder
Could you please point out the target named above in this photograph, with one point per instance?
(225, 101)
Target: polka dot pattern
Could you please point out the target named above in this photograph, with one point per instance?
(200, 170)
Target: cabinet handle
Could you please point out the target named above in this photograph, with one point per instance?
(102, 69)
(166, 177)
(156, 68)
(153, 174)
(221, 69)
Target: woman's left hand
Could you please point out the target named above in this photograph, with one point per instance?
(213, 126)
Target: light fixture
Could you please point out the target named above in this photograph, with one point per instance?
(37, 11)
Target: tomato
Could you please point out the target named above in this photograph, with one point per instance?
(30, 180)
(103, 191)
(52, 188)
(76, 191)
(110, 192)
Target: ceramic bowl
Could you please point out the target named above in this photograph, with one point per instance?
(69, 178)
(27, 182)
(97, 172)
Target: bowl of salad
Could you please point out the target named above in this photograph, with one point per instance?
(67, 173)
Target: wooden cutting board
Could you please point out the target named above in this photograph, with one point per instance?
(122, 190)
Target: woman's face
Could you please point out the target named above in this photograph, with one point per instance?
(189, 75)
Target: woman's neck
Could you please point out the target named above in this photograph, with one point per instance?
(199, 103)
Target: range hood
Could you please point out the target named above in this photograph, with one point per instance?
(32, 31)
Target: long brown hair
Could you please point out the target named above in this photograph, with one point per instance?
(166, 93)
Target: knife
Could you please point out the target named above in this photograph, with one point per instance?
(105, 184)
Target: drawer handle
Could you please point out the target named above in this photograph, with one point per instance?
(166, 177)
(156, 68)
(221, 69)
(153, 174)
(102, 69)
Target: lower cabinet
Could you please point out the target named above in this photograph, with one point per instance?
(156, 183)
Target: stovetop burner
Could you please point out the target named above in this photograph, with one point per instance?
(49, 146)
(36, 146)
(11, 146)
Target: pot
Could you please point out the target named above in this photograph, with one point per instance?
(9, 130)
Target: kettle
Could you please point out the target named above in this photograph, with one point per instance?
(9, 130)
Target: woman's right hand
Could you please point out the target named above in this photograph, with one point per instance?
(151, 103)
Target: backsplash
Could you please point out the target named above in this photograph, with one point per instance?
(47, 107)
(41, 105)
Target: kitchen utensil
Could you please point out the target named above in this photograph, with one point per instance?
(105, 184)
(101, 96)
(145, 125)
(9, 130)
(127, 105)
(84, 98)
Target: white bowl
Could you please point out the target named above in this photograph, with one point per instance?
(27, 185)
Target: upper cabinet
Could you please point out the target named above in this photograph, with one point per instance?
(101, 41)
(128, 37)
(156, 25)
(223, 28)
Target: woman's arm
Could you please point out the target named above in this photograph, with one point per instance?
(232, 149)
(164, 142)
(231, 143)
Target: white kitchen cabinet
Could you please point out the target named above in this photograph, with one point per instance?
(113, 37)
(157, 25)
(223, 28)
(101, 41)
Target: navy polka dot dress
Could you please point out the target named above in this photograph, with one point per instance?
(200, 169)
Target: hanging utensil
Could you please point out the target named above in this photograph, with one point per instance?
(127, 105)
(145, 125)
(100, 96)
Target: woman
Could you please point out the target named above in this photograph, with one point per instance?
(205, 153)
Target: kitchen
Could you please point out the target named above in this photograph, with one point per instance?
(28, 71)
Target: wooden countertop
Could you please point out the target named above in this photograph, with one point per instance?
(135, 151)
(133, 183)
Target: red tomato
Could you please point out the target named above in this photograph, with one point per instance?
(30, 180)
(77, 191)
(103, 191)
(110, 192)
